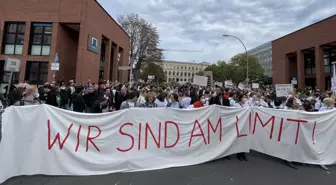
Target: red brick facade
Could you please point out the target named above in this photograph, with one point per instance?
(288, 54)
(76, 61)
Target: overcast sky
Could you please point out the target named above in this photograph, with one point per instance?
(200, 24)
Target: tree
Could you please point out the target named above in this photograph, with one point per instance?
(144, 41)
(153, 69)
(238, 68)
(220, 71)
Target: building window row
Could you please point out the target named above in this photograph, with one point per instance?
(35, 73)
(39, 43)
(177, 73)
(183, 67)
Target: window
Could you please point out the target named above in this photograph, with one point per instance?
(4, 75)
(36, 72)
(309, 63)
(40, 39)
(13, 38)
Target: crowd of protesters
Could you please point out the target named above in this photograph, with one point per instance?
(108, 97)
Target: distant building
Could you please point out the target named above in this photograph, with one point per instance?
(264, 55)
(182, 72)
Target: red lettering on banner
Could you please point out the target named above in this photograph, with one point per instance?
(280, 130)
(313, 134)
(157, 142)
(298, 127)
(219, 124)
(57, 137)
(166, 134)
(78, 137)
(237, 129)
(262, 124)
(139, 138)
(126, 134)
(196, 135)
(89, 138)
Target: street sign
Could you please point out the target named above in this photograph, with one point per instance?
(12, 65)
(55, 66)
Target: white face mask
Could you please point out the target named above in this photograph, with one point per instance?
(37, 95)
(202, 100)
(131, 104)
(214, 94)
(290, 96)
(244, 100)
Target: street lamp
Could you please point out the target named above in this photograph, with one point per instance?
(247, 63)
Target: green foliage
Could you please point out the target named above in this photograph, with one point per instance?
(153, 69)
(236, 69)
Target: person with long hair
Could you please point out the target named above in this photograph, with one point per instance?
(200, 102)
(149, 101)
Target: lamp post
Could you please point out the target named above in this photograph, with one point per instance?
(247, 63)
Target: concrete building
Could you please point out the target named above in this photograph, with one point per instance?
(306, 55)
(264, 55)
(88, 41)
(182, 72)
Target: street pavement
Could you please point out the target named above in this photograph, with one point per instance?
(259, 170)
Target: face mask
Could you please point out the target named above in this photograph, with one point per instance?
(290, 96)
(214, 94)
(131, 104)
(202, 100)
(37, 95)
(206, 99)
(244, 100)
(62, 88)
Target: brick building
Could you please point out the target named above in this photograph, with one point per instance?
(306, 55)
(88, 41)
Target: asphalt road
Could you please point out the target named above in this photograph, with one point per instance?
(259, 170)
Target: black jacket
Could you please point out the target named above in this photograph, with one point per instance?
(78, 102)
(216, 101)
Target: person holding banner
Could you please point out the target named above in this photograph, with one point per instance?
(149, 101)
(329, 105)
(219, 98)
(242, 102)
(200, 102)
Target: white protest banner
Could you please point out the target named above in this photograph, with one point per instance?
(296, 136)
(50, 141)
(200, 80)
(283, 89)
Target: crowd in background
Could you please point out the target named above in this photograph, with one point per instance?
(107, 97)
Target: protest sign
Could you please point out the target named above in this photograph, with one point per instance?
(50, 141)
(200, 80)
(283, 89)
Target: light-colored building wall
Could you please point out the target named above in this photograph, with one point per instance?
(264, 55)
(182, 72)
